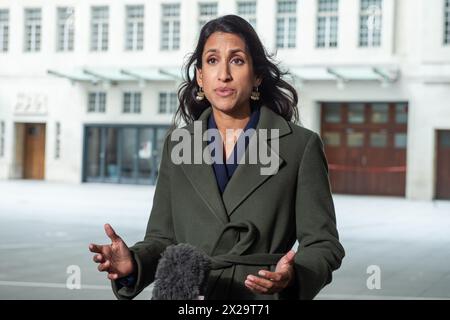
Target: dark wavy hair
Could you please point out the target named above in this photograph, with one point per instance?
(275, 93)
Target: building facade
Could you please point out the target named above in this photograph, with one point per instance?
(88, 88)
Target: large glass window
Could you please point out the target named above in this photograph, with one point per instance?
(33, 25)
(99, 28)
(65, 26)
(97, 102)
(4, 30)
(207, 11)
(327, 23)
(170, 27)
(370, 23)
(94, 153)
(146, 154)
(134, 28)
(2, 138)
(128, 151)
(111, 155)
(447, 22)
(247, 10)
(128, 154)
(132, 102)
(57, 140)
(168, 102)
(286, 33)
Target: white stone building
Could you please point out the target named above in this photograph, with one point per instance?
(87, 88)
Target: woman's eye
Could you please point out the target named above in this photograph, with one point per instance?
(237, 61)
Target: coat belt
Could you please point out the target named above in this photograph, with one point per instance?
(224, 258)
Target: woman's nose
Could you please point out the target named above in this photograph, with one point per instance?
(224, 72)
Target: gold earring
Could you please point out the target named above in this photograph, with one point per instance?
(200, 94)
(255, 94)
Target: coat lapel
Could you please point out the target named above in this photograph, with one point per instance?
(247, 177)
(202, 176)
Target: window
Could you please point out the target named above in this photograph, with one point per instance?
(378, 139)
(65, 26)
(2, 138)
(332, 112)
(132, 102)
(380, 113)
(99, 28)
(327, 24)
(355, 139)
(97, 102)
(134, 28)
(57, 140)
(400, 140)
(168, 102)
(401, 113)
(332, 139)
(356, 113)
(444, 139)
(370, 23)
(247, 10)
(447, 22)
(32, 30)
(170, 27)
(4, 30)
(207, 11)
(286, 23)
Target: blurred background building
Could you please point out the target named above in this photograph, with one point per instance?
(88, 88)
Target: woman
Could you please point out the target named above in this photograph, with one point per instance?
(232, 209)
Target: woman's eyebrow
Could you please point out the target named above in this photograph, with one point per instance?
(231, 51)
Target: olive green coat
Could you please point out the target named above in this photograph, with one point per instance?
(257, 214)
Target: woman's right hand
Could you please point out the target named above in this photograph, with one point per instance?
(114, 258)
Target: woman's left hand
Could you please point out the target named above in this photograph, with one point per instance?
(273, 282)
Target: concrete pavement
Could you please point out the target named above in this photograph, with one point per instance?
(45, 229)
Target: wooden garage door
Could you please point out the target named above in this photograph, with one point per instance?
(34, 151)
(443, 165)
(365, 145)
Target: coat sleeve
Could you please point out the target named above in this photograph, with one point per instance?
(319, 251)
(159, 233)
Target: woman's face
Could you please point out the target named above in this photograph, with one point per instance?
(227, 74)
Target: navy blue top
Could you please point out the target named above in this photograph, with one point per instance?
(224, 170)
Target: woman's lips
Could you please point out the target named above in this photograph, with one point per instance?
(224, 92)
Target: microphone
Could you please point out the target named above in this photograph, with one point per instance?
(181, 274)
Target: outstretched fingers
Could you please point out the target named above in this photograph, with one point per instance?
(111, 233)
(99, 258)
(96, 248)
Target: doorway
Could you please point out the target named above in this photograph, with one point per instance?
(443, 168)
(122, 154)
(365, 144)
(34, 151)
